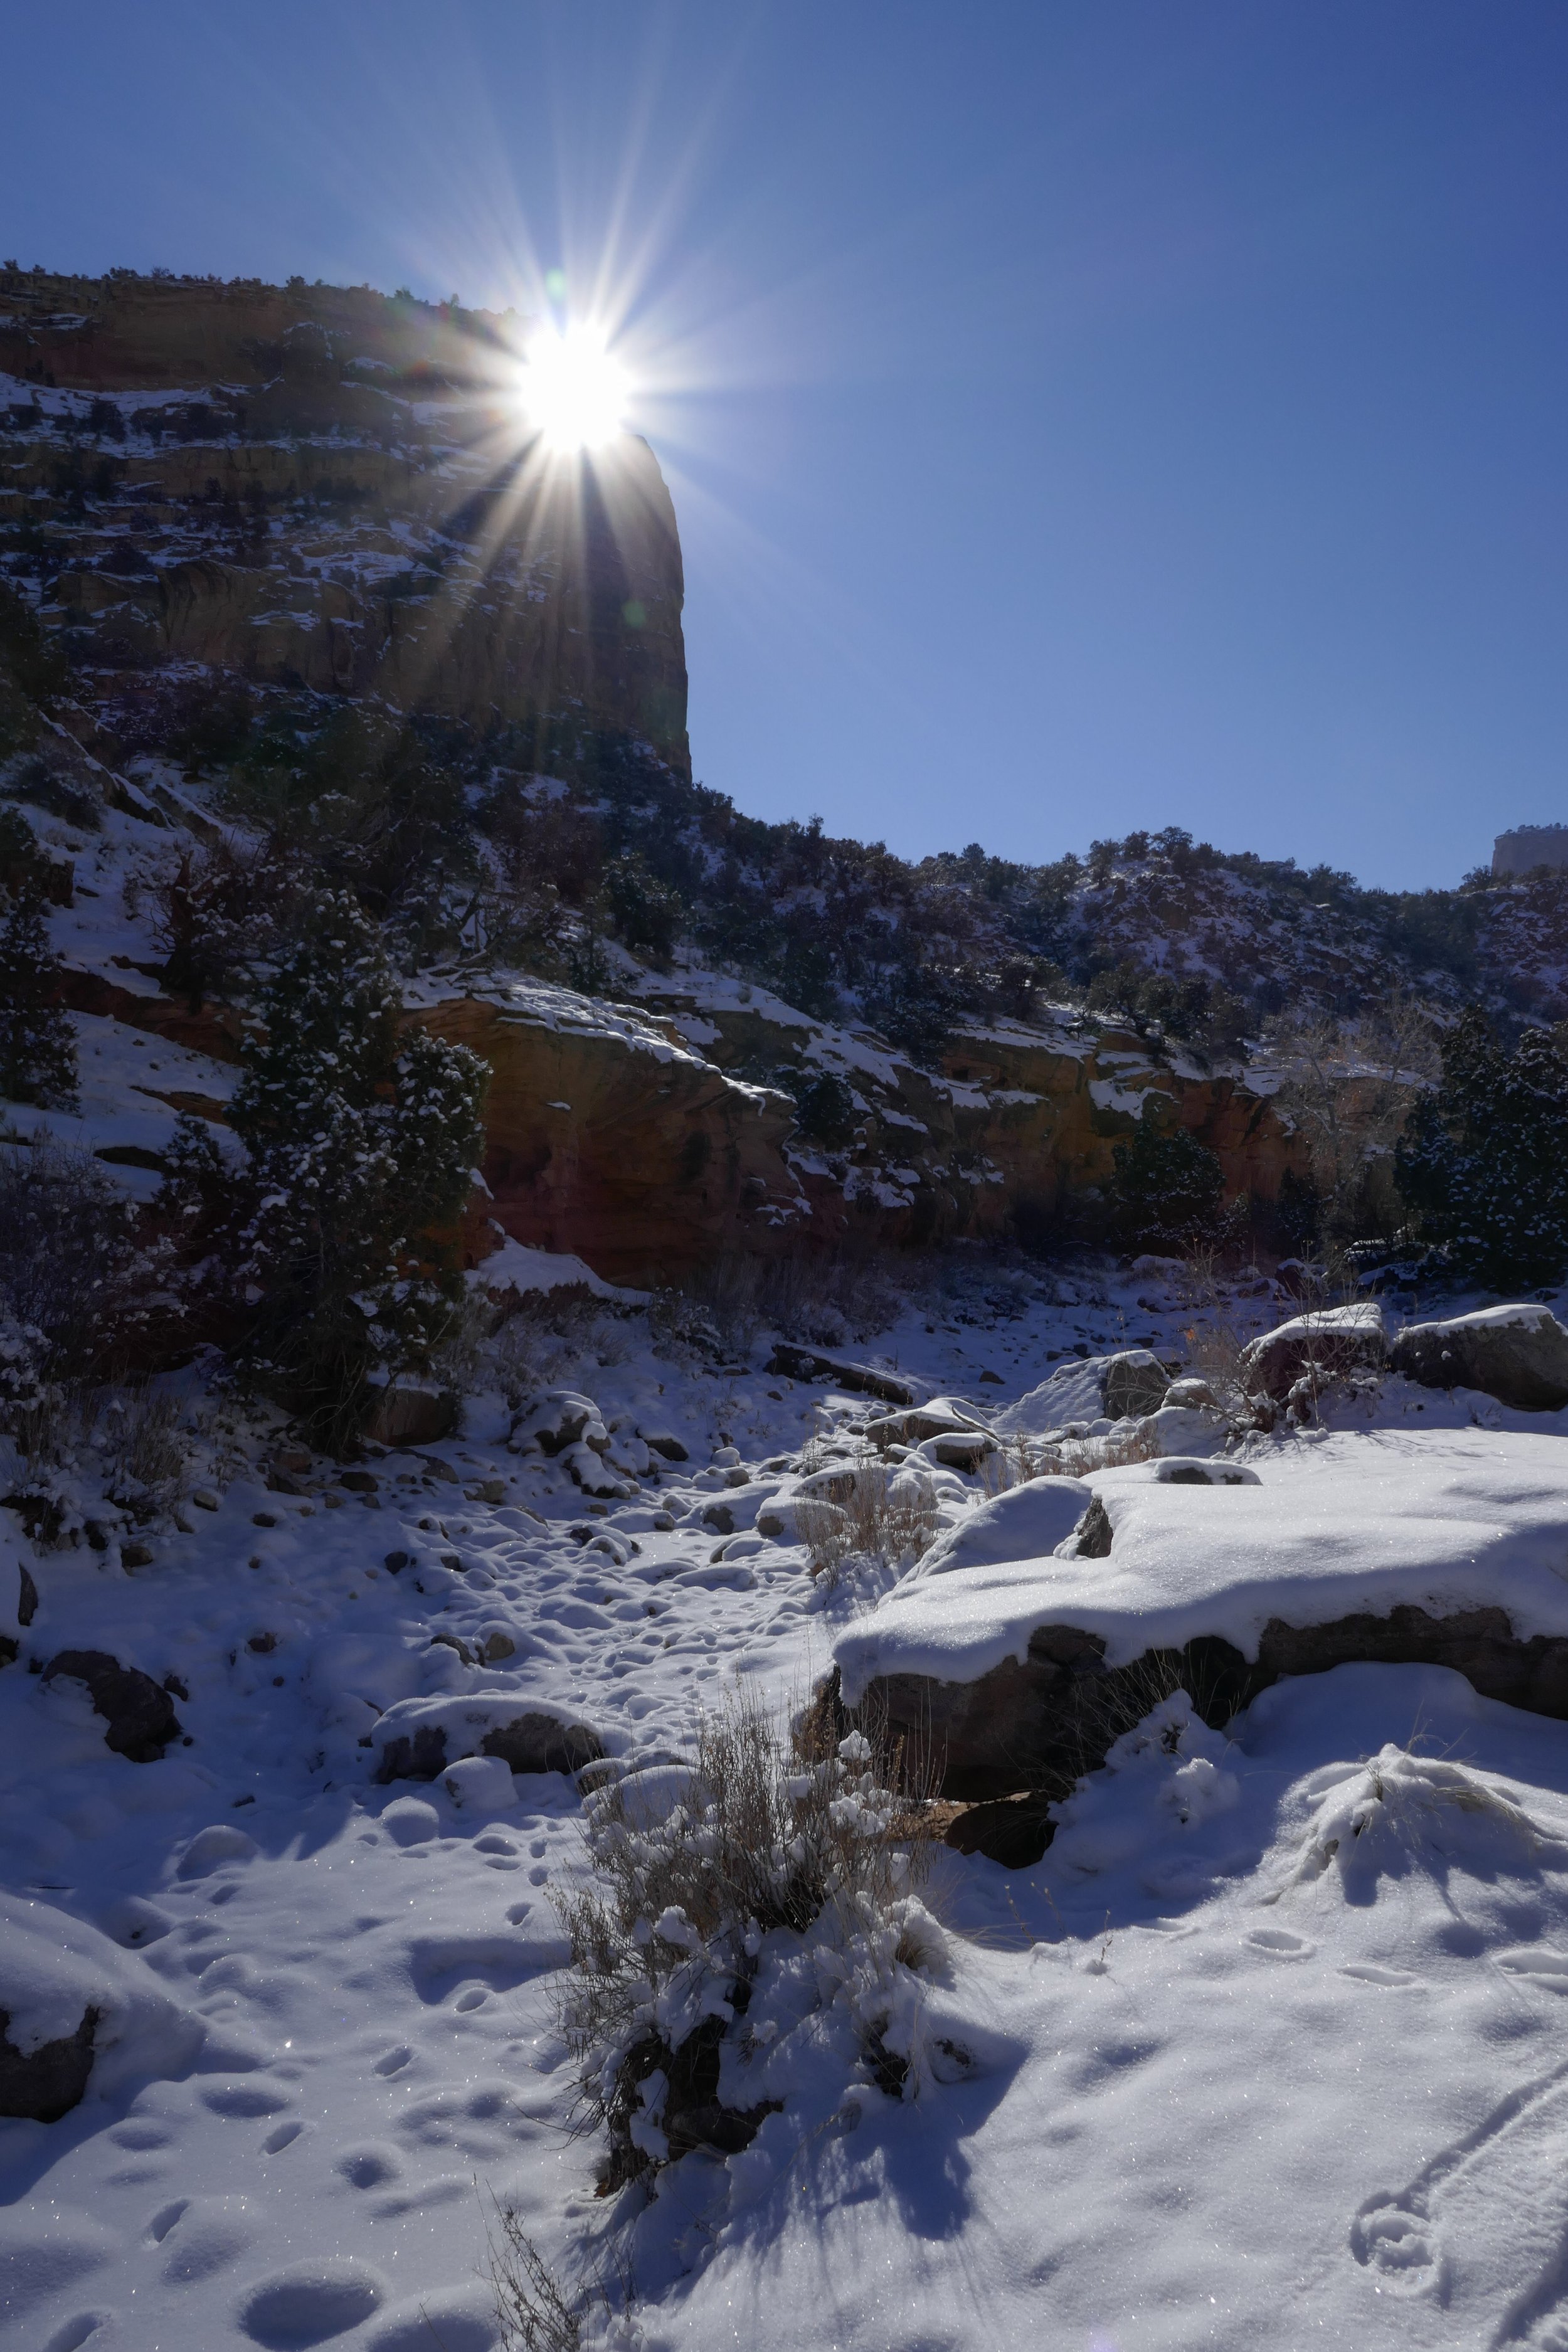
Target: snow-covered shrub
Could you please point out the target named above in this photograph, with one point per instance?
(550, 1340)
(146, 1458)
(757, 1854)
(887, 1515)
(74, 1272)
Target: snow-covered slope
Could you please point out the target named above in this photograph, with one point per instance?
(1266, 2052)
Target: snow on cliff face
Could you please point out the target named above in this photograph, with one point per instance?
(1267, 2048)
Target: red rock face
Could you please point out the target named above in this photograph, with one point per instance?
(609, 1139)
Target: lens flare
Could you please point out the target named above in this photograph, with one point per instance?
(573, 389)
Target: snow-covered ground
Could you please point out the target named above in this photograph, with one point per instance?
(1271, 2049)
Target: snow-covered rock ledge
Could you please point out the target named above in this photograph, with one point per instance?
(1447, 1549)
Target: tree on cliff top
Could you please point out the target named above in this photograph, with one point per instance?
(360, 1143)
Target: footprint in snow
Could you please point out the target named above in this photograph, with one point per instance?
(1279, 1943)
(1483, 2227)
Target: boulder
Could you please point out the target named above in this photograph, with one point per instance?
(1516, 1354)
(1091, 1388)
(938, 1417)
(46, 2082)
(553, 1422)
(403, 1414)
(1321, 1346)
(1026, 1522)
(414, 1743)
(80, 2011)
(139, 1712)
(542, 1743)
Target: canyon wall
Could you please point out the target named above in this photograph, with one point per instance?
(335, 489)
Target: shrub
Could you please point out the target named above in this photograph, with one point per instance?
(669, 1950)
(74, 1273)
(1166, 1188)
(888, 1517)
(1483, 1161)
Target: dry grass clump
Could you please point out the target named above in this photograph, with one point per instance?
(531, 2303)
(886, 1515)
(1023, 1458)
(666, 1947)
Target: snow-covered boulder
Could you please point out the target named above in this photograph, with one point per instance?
(76, 2012)
(1093, 1389)
(139, 1713)
(418, 1738)
(1026, 1522)
(553, 1422)
(1516, 1354)
(1445, 1550)
(1322, 1345)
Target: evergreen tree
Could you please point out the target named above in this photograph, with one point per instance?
(1483, 1160)
(1166, 1187)
(38, 1044)
(360, 1143)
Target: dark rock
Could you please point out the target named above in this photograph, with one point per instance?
(419, 1755)
(1522, 1361)
(396, 1561)
(721, 1518)
(964, 1449)
(1013, 1831)
(46, 2083)
(410, 1416)
(553, 1422)
(810, 1364)
(660, 1441)
(541, 1743)
(530, 1742)
(135, 1555)
(27, 1599)
(262, 1643)
(358, 1482)
(1038, 1725)
(139, 1714)
(1094, 1532)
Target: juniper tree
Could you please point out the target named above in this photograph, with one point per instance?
(360, 1143)
(38, 1045)
(1166, 1186)
(1483, 1160)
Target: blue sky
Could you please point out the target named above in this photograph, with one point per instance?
(1081, 416)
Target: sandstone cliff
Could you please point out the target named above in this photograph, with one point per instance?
(331, 489)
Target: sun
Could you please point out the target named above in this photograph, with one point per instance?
(573, 389)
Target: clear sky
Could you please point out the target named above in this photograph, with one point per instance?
(1082, 414)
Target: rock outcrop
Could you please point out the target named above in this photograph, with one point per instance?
(627, 1136)
(327, 488)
